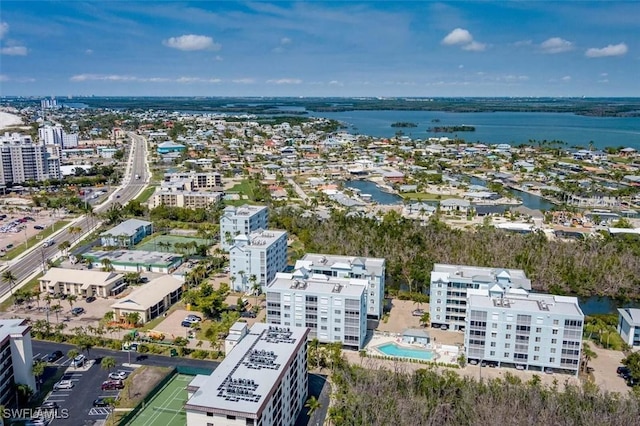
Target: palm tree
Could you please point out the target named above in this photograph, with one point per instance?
(108, 363)
(71, 298)
(242, 274)
(425, 319)
(38, 371)
(255, 287)
(10, 278)
(313, 405)
(587, 355)
(106, 265)
(56, 309)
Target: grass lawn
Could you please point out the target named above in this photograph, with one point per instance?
(146, 194)
(18, 250)
(245, 187)
(425, 196)
(31, 285)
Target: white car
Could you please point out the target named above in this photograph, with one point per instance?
(63, 384)
(118, 375)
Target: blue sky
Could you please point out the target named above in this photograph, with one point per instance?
(313, 48)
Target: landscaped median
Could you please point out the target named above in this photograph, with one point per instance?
(146, 194)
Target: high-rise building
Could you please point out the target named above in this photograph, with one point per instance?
(262, 254)
(22, 160)
(334, 309)
(241, 220)
(449, 285)
(263, 381)
(16, 359)
(531, 331)
(369, 268)
(49, 103)
(55, 135)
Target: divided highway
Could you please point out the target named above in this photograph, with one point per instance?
(137, 165)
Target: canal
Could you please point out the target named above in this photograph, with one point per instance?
(528, 200)
(377, 195)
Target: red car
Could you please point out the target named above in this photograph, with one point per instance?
(112, 385)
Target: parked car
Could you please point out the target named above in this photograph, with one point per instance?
(549, 370)
(473, 362)
(63, 384)
(49, 405)
(90, 299)
(417, 312)
(112, 385)
(101, 402)
(193, 317)
(9, 246)
(119, 375)
(38, 227)
(519, 367)
(77, 310)
(186, 323)
(247, 314)
(622, 371)
(78, 361)
(54, 356)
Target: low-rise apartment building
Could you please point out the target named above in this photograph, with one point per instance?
(127, 234)
(334, 309)
(211, 181)
(135, 260)
(16, 359)
(260, 255)
(241, 220)
(81, 282)
(515, 328)
(449, 285)
(151, 299)
(185, 199)
(263, 381)
(369, 268)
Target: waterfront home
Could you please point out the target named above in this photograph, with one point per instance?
(169, 146)
(524, 165)
(408, 188)
(628, 152)
(455, 205)
(393, 176)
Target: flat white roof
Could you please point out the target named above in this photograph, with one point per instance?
(533, 303)
(464, 273)
(9, 327)
(244, 381)
(317, 283)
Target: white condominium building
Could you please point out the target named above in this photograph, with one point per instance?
(209, 180)
(260, 254)
(16, 359)
(449, 285)
(369, 268)
(185, 199)
(241, 220)
(334, 309)
(262, 382)
(22, 160)
(55, 135)
(534, 331)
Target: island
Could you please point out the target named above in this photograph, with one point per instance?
(451, 129)
(404, 124)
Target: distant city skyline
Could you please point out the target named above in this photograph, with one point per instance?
(421, 49)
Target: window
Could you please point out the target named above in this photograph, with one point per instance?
(555, 322)
(552, 359)
(506, 354)
(507, 345)
(508, 326)
(338, 311)
(323, 327)
(553, 350)
(538, 339)
(209, 414)
(508, 336)
(536, 358)
(555, 331)
(554, 341)
(536, 349)
(493, 344)
(494, 325)
(439, 293)
(336, 329)
(494, 334)
(538, 330)
(492, 353)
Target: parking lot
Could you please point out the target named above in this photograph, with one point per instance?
(16, 228)
(77, 403)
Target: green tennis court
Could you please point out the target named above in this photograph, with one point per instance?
(171, 244)
(166, 407)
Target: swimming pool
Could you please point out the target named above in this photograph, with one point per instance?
(391, 349)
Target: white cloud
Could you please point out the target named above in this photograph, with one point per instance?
(285, 81)
(218, 58)
(191, 42)
(4, 29)
(460, 66)
(604, 74)
(457, 36)
(463, 38)
(14, 50)
(4, 78)
(610, 50)
(336, 83)
(243, 81)
(88, 52)
(566, 78)
(556, 45)
(285, 40)
(475, 46)
(102, 77)
(189, 80)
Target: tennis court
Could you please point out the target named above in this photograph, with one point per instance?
(171, 244)
(166, 407)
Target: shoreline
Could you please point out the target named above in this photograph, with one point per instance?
(9, 120)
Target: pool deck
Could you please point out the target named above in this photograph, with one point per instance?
(442, 353)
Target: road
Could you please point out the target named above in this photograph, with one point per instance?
(33, 261)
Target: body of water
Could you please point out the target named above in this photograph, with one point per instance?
(499, 127)
(603, 305)
(528, 200)
(377, 195)
(391, 349)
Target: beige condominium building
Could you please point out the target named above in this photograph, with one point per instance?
(82, 283)
(150, 300)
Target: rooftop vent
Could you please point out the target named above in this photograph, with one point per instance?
(337, 288)
(542, 305)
